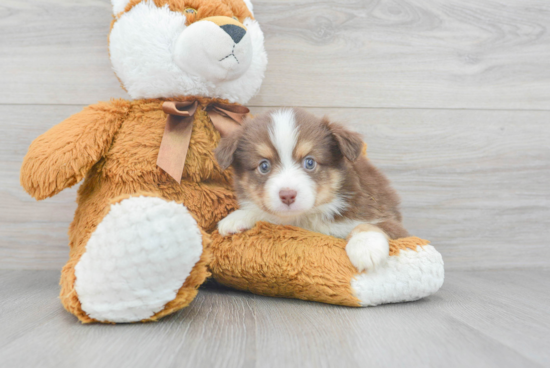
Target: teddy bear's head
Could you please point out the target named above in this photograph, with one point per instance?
(169, 48)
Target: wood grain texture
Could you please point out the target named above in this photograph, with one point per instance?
(407, 53)
(348, 53)
(216, 330)
(474, 182)
(478, 319)
(55, 52)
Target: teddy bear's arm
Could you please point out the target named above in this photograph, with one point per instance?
(62, 156)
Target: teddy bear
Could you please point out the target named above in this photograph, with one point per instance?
(143, 238)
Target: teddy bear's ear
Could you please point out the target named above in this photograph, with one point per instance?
(119, 6)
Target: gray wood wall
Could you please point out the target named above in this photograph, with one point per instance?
(452, 96)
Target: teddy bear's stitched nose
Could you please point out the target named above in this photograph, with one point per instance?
(235, 32)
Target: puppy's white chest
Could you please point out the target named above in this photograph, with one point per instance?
(340, 229)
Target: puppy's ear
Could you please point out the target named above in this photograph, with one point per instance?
(350, 143)
(225, 151)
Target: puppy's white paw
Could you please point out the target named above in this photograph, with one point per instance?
(237, 222)
(368, 250)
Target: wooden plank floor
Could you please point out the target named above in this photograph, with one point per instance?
(478, 319)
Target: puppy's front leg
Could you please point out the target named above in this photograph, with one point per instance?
(368, 247)
(237, 222)
(242, 219)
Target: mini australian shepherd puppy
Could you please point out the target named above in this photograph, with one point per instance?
(293, 168)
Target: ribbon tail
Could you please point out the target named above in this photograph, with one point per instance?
(174, 145)
(179, 125)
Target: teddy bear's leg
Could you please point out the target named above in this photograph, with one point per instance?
(145, 259)
(285, 261)
(407, 276)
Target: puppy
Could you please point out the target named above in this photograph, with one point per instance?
(293, 168)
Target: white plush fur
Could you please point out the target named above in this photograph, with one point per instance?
(119, 5)
(411, 275)
(209, 51)
(137, 259)
(368, 250)
(146, 46)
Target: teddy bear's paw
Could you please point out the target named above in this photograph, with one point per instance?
(236, 222)
(368, 250)
(137, 259)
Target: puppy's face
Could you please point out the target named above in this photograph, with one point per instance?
(289, 162)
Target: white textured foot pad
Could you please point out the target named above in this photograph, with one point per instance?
(137, 259)
(407, 277)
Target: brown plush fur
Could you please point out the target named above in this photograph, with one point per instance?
(204, 8)
(115, 146)
(289, 262)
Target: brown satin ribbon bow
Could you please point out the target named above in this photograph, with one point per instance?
(179, 125)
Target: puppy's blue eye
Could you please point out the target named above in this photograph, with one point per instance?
(264, 167)
(309, 163)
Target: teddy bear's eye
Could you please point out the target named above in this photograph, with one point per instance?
(234, 17)
(190, 11)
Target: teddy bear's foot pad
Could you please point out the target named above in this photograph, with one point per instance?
(411, 275)
(137, 259)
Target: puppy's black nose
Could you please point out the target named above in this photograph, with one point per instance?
(287, 196)
(235, 32)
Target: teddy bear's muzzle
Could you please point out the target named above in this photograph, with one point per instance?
(235, 32)
(235, 29)
(215, 48)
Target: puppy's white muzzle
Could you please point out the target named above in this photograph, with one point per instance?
(290, 179)
(216, 48)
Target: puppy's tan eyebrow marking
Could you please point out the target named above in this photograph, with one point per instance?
(303, 148)
(335, 179)
(265, 151)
